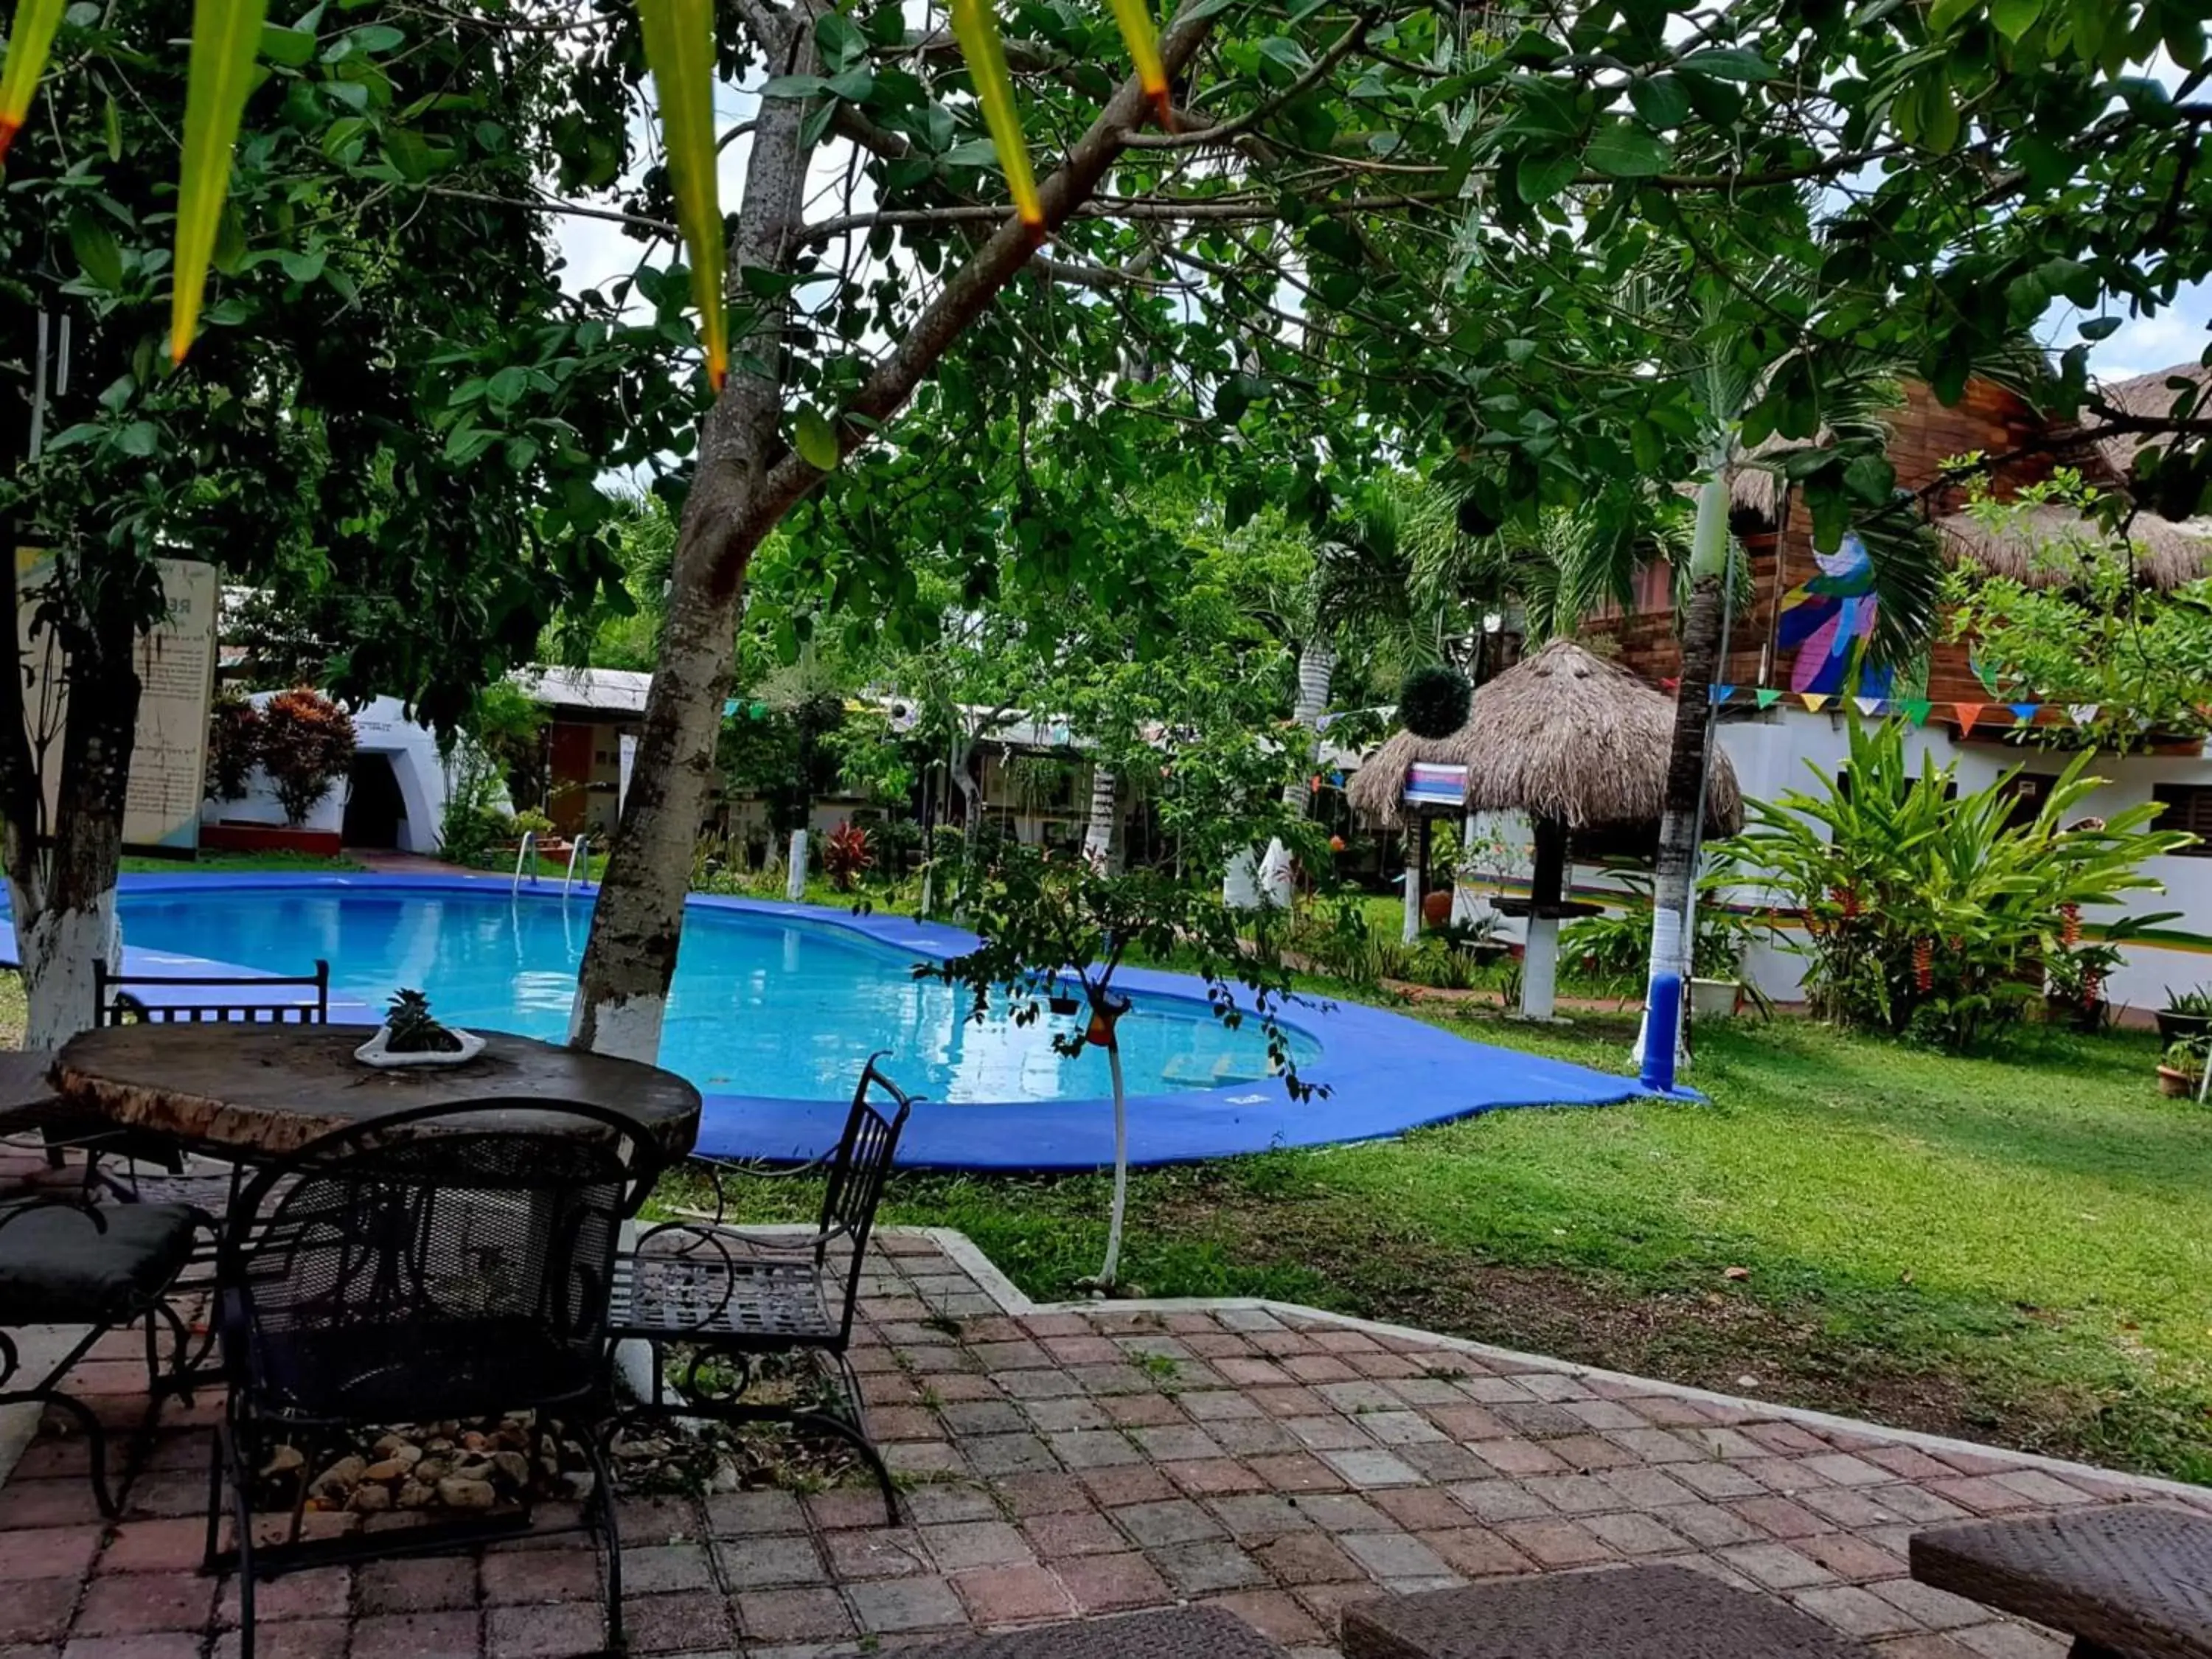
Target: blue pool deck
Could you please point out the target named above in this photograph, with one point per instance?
(1383, 1073)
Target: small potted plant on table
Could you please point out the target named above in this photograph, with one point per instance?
(411, 1036)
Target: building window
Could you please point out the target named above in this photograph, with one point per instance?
(2188, 806)
(2029, 791)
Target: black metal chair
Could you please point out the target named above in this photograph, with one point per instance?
(438, 1263)
(735, 1298)
(202, 998)
(184, 1000)
(66, 1262)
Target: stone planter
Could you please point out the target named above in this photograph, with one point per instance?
(376, 1054)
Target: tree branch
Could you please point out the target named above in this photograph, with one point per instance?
(1337, 50)
(572, 210)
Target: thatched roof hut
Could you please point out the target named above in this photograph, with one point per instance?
(1564, 736)
(2166, 554)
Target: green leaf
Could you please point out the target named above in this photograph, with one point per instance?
(853, 85)
(1541, 180)
(520, 453)
(290, 47)
(1645, 444)
(2013, 18)
(225, 35)
(1727, 63)
(140, 438)
(840, 38)
(1870, 477)
(378, 36)
(679, 46)
(1660, 100)
(2098, 328)
(98, 254)
(29, 39)
(83, 433)
(795, 86)
(1944, 13)
(976, 153)
(112, 127)
(303, 267)
(817, 440)
(1622, 151)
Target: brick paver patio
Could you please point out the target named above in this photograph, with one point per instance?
(1079, 1462)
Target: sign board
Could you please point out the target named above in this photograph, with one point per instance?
(176, 663)
(1433, 786)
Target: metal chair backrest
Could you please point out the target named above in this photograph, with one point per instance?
(858, 1174)
(451, 1261)
(199, 998)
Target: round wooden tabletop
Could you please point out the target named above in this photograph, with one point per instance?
(257, 1092)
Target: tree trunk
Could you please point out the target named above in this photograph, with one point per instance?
(1119, 1215)
(747, 481)
(1102, 838)
(621, 992)
(1317, 669)
(1702, 645)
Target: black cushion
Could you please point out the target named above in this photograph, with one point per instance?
(58, 1267)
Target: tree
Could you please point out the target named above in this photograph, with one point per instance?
(1045, 919)
(333, 444)
(2082, 624)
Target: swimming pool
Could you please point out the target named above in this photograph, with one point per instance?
(779, 1006)
(776, 1006)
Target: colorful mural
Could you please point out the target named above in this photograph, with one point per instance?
(1829, 621)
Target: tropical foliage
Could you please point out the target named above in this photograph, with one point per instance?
(306, 744)
(2084, 628)
(1929, 912)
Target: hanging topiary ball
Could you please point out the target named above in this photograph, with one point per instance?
(1432, 702)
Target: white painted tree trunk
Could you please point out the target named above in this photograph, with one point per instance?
(57, 949)
(794, 876)
(1317, 671)
(1102, 840)
(1119, 1215)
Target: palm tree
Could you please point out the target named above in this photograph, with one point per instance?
(1855, 391)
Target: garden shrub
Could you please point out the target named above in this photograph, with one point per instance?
(307, 745)
(1930, 915)
(235, 737)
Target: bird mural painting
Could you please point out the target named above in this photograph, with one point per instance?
(1828, 620)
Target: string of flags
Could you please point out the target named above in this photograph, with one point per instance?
(1967, 716)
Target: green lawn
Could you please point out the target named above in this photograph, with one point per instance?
(210, 863)
(2013, 1249)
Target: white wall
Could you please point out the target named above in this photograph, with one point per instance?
(381, 727)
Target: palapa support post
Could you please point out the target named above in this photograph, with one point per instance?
(1540, 963)
(1417, 836)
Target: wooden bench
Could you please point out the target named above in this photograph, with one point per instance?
(2128, 1582)
(1198, 1633)
(1630, 1613)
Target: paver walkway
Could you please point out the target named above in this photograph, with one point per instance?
(1090, 1462)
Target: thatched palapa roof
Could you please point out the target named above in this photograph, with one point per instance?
(1562, 735)
(2166, 554)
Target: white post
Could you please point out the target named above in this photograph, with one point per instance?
(1413, 927)
(1540, 967)
(795, 875)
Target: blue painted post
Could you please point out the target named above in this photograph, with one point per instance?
(1663, 1021)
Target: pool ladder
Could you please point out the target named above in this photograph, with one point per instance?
(525, 858)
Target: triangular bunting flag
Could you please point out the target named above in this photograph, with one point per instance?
(1767, 697)
(2025, 713)
(1672, 684)
(1968, 713)
(1916, 709)
(1815, 700)
(1869, 706)
(2083, 713)
(1723, 693)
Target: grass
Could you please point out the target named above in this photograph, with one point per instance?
(2012, 1249)
(211, 863)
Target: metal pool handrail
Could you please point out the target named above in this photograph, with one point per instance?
(579, 853)
(526, 854)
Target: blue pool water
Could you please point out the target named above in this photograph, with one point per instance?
(763, 1006)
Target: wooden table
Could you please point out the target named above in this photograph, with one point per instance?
(251, 1092)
